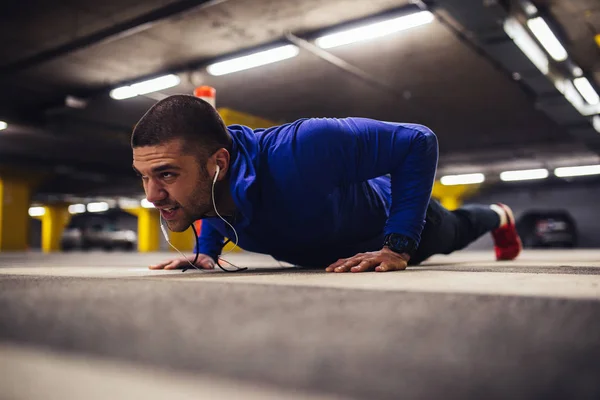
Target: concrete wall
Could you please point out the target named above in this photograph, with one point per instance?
(581, 198)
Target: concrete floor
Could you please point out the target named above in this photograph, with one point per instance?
(102, 325)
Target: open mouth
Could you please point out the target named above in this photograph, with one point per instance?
(169, 213)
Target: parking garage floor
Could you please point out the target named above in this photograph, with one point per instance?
(101, 325)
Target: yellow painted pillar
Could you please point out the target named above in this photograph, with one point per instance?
(148, 228)
(15, 195)
(451, 202)
(183, 241)
(232, 117)
(453, 196)
(55, 219)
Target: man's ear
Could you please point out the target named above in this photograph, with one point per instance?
(221, 158)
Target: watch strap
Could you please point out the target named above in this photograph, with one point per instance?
(400, 243)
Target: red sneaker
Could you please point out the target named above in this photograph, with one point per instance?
(507, 242)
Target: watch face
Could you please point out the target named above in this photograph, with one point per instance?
(400, 243)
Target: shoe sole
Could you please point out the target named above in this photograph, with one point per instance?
(511, 221)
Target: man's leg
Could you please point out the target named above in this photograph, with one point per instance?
(447, 231)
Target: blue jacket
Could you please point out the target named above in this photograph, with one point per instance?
(316, 190)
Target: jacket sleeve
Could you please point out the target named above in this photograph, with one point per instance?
(325, 153)
(210, 241)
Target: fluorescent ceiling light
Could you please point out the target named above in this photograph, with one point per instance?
(36, 211)
(464, 179)
(577, 71)
(76, 208)
(146, 204)
(567, 88)
(126, 203)
(577, 171)
(586, 89)
(527, 45)
(3, 125)
(149, 86)
(596, 123)
(529, 8)
(97, 207)
(571, 93)
(544, 34)
(374, 30)
(523, 175)
(253, 60)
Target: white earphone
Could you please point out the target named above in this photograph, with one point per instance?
(217, 212)
(217, 174)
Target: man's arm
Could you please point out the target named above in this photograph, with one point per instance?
(328, 153)
(210, 241)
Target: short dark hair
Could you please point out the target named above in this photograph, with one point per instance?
(182, 116)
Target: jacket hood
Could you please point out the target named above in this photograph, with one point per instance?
(243, 168)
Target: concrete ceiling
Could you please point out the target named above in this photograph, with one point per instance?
(439, 75)
(577, 23)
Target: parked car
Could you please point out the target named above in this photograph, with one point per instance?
(547, 228)
(104, 236)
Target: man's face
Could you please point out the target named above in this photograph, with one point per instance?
(174, 182)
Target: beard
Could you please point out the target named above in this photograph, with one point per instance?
(197, 206)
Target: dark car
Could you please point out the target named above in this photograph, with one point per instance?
(547, 229)
(102, 236)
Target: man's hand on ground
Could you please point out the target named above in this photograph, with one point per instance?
(204, 262)
(380, 261)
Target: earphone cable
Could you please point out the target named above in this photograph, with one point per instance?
(219, 258)
(166, 235)
(224, 220)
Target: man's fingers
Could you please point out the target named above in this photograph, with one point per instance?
(160, 265)
(336, 264)
(348, 264)
(207, 263)
(204, 262)
(383, 267)
(344, 267)
(366, 265)
(174, 264)
(386, 266)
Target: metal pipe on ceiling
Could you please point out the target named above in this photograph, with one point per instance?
(343, 65)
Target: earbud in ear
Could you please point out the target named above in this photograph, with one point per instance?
(217, 173)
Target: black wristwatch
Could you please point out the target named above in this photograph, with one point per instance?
(400, 244)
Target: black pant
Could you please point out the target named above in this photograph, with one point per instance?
(447, 231)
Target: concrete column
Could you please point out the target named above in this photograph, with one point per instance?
(15, 196)
(148, 228)
(183, 241)
(55, 219)
(452, 197)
